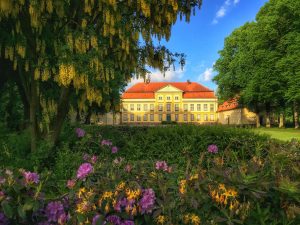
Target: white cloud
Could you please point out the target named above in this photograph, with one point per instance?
(206, 75)
(224, 9)
(236, 2)
(221, 12)
(157, 76)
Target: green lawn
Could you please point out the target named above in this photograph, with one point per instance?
(283, 134)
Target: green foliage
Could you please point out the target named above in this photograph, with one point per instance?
(260, 60)
(231, 186)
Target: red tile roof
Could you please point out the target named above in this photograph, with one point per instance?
(229, 105)
(147, 90)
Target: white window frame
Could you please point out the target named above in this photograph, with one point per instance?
(192, 107)
(151, 117)
(145, 107)
(131, 107)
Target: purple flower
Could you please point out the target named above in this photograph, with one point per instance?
(118, 160)
(94, 159)
(106, 142)
(80, 132)
(128, 168)
(31, 178)
(3, 219)
(2, 180)
(63, 219)
(127, 222)
(84, 170)
(2, 195)
(161, 165)
(114, 149)
(71, 183)
(147, 201)
(55, 211)
(212, 149)
(86, 157)
(95, 219)
(114, 219)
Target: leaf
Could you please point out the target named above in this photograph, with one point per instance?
(8, 211)
(21, 212)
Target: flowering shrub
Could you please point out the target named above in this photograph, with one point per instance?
(221, 188)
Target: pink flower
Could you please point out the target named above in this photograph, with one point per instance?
(94, 159)
(128, 168)
(212, 149)
(106, 142)
(31, 178)
(114, 149)
(71, 183)
(161, 165)
(84, 170)
(80, 132)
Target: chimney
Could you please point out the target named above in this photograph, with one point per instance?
(188, 81)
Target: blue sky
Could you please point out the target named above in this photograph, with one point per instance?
(203, 37)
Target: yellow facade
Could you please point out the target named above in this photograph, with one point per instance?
(168, 104)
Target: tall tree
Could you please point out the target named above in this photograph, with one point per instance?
(268, 56)
(76, 46)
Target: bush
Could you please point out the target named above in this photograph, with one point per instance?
(219, 189)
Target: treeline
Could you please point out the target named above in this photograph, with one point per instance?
(260, 63)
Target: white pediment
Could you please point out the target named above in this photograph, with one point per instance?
(168, 88)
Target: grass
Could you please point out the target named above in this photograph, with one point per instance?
(283, 134)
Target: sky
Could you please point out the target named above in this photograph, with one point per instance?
(202, 38)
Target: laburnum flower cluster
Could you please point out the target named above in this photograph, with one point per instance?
(112, 204)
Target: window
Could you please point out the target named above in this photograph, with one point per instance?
(185, 107)
(176, 98)
(138, 118)
(145, 117)
(192, 117)
(131, 107)
(205, 107)
(198, 117)
(176, 107)
(184, 117)
(212, 117)
(138, 107)
(160, 98)
(125, 108)
(160, 117)
(168, 107)
(151, 117)
(160, 107)
(192, 107)
(211, 107)
(198, 107)
(131, 117)
(125, 117)
(176, 117)
(205, 117)
(151, 107)
(145, 107)
(168, 98)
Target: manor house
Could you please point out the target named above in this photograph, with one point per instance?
(183, 102)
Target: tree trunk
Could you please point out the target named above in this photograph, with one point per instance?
(33, 116)
(77, 115)
(62, 111)
(296, 115)
(88, 116)
(268, 116)
(281, 120)
(257, 120)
